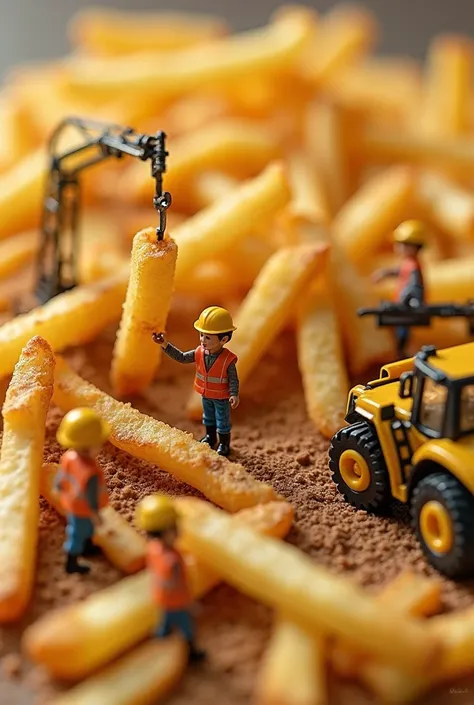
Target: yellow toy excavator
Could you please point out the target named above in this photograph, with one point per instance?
(410, 436)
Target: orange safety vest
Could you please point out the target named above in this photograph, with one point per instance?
(76, 471)
(170, 587)
(213, 383)
(409, 265)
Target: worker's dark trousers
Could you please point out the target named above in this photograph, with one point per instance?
(402, 335)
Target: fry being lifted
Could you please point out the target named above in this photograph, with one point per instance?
(24, 415)
(216, 377)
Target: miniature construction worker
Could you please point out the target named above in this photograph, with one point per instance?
(409, 239)
(216, 373)
(80, 483)
(171, 594)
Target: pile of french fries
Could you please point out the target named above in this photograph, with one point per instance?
(294, 152)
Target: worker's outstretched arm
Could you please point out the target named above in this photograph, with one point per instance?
(173, 352)
(385, 273)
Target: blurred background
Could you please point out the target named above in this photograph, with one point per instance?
(35, 29)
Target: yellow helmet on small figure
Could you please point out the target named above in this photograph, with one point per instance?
(156, 513)
(214, 320)
(410, 232)
(82, 429)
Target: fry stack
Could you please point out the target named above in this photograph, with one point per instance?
(294, 153)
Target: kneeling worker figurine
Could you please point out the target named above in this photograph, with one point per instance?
(80, 483)
(171, 594)
(216, 373)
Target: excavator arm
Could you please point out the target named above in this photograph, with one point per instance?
(76, 145)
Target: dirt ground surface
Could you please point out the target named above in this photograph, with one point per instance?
(276, 442)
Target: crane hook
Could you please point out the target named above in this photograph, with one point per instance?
(162, 203)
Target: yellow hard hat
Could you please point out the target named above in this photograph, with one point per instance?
(214, 320)
(156, 513)
(82, 428)
(411, 232)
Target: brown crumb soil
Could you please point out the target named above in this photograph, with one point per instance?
(276, 442)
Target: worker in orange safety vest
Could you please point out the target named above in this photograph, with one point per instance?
(80, 483)
(409, 238)
(216, 378)
(171, 593)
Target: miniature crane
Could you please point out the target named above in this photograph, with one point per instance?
(57, 257)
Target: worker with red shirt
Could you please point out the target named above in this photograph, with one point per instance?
(409, 239)
(157, 516)
(216, 378)
(80, 483)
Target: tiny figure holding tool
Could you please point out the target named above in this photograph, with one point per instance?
(216, 373)
(409, 239)
(80, 483)
(157, 516)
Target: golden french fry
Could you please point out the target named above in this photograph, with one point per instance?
(73, 641)
(310, 202)
(17, 252)
(388, 88)
(215, 230)
(193, 112)
(72, 318)
(268, 306)
(451, 280)
(386, 146)
(21, 192)
(343, 35)
(368, 217)
(24, 416)
(326, 139)
(321, 358)
(294, 669)
(123, 546)
(225, 483)
(267, 50)
(409, 594)
(454, 632)
(136, 357)
(240, 146)
(445, 105)
(100, 260)
(449, 206)
(151, 671)
(213, 275)
(109, 32)
(284, 578)
(210, 186)
(443, 332)
(15, 139)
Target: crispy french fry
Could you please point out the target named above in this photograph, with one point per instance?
(293, 670)
(136, 357)
(268, 306)
(70, 641)
(388, 88)
(100, 261)
(213, 275)
(409, 594)
(325, 135)
(72, 318)
(225, 483)
(109, 32)
(268, 50)
(14, 140)
(24, 417)
(321, 358)
(284, 578)
(451, 280)
(213, 231)
(454, 632)
(345, 34)
(151, 671)
(309, 203)
(448, 205)
(385, 146)
(21, 191)
(193, 112)
(368, 217)
(123, 546)
(17, 252)
(236, 145)
(445, 105)
(210, 186)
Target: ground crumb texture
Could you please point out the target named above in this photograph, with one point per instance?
(276, 442)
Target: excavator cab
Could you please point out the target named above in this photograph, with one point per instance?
(410, 437)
